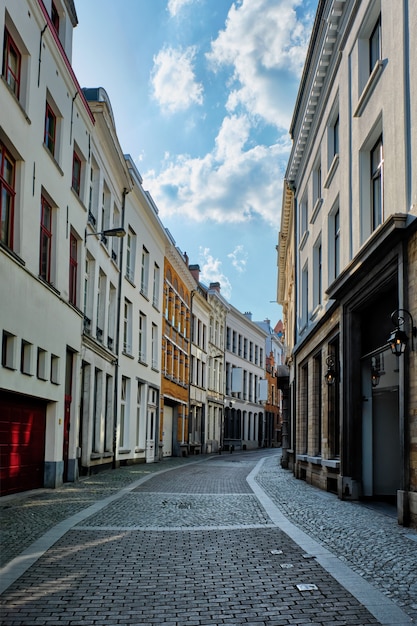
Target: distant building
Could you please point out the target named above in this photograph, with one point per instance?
(244, 419)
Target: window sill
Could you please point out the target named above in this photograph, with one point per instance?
(53, 159)
(316, 210)
(19, 104)
(369, 88)
(12, 254)
(303, 240)
(332, 169)
(128, 355)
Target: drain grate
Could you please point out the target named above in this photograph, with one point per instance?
(307, 587)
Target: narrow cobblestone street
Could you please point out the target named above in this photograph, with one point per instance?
(228, 539)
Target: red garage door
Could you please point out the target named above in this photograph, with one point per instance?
(22, 443)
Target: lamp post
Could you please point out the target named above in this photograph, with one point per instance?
(398, 339)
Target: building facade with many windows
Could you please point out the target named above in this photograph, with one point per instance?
(348, 227)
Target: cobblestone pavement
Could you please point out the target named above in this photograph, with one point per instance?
(370, 542)
(192, 546)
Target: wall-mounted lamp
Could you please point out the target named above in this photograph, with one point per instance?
(110, 232)
(398, 339)
(375, 376)
(330, 375)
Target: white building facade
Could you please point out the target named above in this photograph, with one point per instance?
(244, 417)
(44, 122)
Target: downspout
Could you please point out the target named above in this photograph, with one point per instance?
(40, 53)
(72, 115)
(117, 347)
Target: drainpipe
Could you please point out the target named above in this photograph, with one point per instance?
(117, 347)
(40, 52)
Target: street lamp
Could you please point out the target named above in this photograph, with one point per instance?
(330, 375)
(109, 232)
(398, 339)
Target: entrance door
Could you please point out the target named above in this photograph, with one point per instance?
(150, 435)
(386, 437)
(167, 432)
(381, 451)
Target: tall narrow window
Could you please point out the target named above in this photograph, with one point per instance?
(142, 337)
(124, 411)
(73, 269)
(7, 195)
(156, 282)
(377, 161)
(304, 297)
(155, 350)
(76, 173)
(317, 404)
(375, 45)
(127, 327)
(130, 255)
(317, 274)
(45, 249)
(336, 243)
(50, 130)
(12, 62)
(144, 272)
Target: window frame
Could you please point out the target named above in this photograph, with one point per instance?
(376, 182)
(73, 269)
(46, 235)
(8, 191)
(55, 19)
(76, 175)
(9, 44)
(50, 139)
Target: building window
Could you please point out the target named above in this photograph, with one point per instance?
(375, 45)
(45, 250)
(12, 62)
(142, 337)
(335, 137)
(124, 411)
(101, 306)
(105, 211)
(7, 195)
(303, 228)
(317, 404)
(156, 283)
(144, 277)
(73, 269)
(304, 297)
(55, 17)
(377, 161)
(130, 255)
(317, 274)
(76, 173)
(127, 327)
(155, 350)
(50, 129)
(112, 318)
(93, 193)
(336, 244)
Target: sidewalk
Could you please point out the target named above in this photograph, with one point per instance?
(369, 542)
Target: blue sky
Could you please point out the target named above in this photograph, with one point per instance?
(202, 93)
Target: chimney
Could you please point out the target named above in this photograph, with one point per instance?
(186, 259)
(215, 287)
(195, 272)
(248, 314)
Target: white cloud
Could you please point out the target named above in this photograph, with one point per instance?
(239, 258)
(175, 6)
(265, 44)
(211, 272)
(233, 183)
(173, 80)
